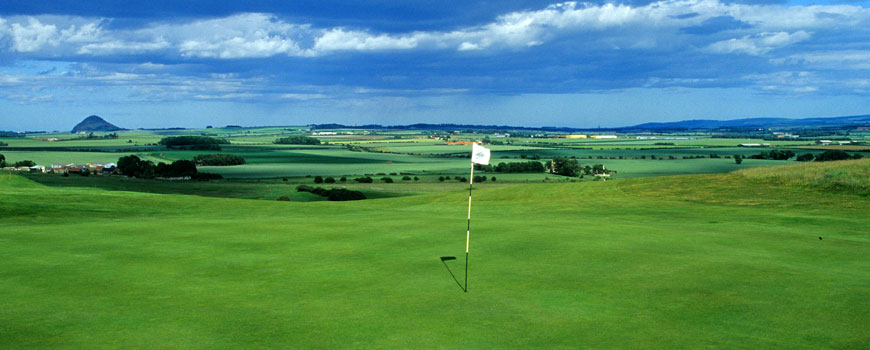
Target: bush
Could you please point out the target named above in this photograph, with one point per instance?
(738, 159)
(493, 179)
(297, 140)
(416, 178)
(65, 174)
(341, 194)
(27, 163)
(364, 180)
(283, 198)
(806, 157)
(343, 179)
(218, 159)
(441, 178)
(406, 178)
(318, 179)
(329, 180)
(387, 179)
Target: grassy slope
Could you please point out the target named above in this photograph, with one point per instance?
(676, 262)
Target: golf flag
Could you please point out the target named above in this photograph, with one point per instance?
(479, 154)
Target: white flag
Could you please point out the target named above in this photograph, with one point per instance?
(479, 154)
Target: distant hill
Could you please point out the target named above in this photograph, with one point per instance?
(862, 120)
(94, 123)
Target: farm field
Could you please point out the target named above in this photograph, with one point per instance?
(731, 260)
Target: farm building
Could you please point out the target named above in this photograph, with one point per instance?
(603, 136)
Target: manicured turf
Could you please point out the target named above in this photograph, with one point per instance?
(686, 262)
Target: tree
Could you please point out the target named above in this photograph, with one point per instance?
(2, 161)
(738, 159)
(318, 179)
(833, 154)
(387, 179)
(329, 180)
(283, 198)
(441, 178)
(406, 178)
(806, 157)
(493, 179)
(134, 167)
(565, 166)
(27, 163)
(343, 179)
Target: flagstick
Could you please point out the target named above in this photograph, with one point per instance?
(468, 228)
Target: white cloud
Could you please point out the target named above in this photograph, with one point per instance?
(758, 44)
(836, 60)
(612, 26)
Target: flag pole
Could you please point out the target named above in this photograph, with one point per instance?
(468, 227)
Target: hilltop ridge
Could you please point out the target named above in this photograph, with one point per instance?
(94, 123)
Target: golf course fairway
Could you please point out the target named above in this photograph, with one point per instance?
(683, 262)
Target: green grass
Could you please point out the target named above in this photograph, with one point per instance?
(685, 262)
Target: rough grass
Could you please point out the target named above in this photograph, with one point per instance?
(848, 176)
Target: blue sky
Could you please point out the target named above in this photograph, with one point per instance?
(168, 63)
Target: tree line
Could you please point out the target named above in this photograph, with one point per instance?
(193, 142)
(297, 140)
(335, 194)
(218, 159)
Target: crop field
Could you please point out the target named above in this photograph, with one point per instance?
(760, 258)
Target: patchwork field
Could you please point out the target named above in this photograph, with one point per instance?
(762, 258)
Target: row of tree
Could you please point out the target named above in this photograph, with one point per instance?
(193, 142)
(297, 140)
(514, 167)
(218, 159)
(828, 155)
(335, 194)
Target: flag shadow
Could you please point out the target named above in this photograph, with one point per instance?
(445, 258)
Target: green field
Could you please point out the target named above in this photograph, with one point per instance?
(772, 258)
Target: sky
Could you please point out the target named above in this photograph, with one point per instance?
(166, 63)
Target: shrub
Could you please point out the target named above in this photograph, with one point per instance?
(806, 157)
(329, 180)
(341, 194)
(318, 179)
(365, 180)
(441, 178)
(493, 179)
(416, 178)
(387, 179)
(283, 198)
(343, 179)
(27, 163)
(406, 178)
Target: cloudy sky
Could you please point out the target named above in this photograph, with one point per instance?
(166, 63)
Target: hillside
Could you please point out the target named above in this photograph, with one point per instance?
(94, 123)
(862, 120)
(682, 262)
